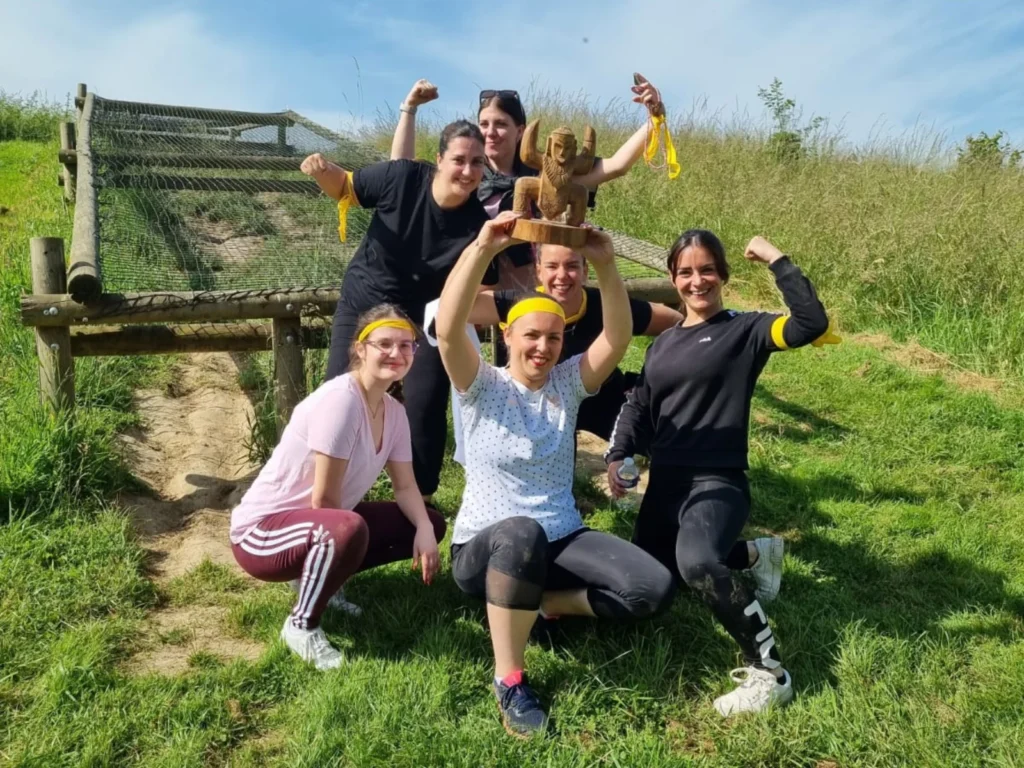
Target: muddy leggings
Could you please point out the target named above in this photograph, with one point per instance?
(511, 564)
(691, 520)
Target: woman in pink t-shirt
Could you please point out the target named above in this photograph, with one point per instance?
(304, 519)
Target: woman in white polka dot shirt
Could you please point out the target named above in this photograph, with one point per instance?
(519, 541)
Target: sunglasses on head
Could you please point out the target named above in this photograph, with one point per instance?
(490, 94)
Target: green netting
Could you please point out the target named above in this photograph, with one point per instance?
(200, 199)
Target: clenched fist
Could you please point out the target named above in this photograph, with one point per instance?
(759, 249)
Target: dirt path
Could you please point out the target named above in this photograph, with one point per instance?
(191, 452)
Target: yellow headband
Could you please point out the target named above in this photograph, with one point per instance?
(534, 304)
(390, 323)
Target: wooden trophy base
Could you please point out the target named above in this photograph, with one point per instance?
(551, 232)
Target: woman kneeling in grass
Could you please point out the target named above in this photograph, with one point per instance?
(519, 541)
(690, 414)
(304, 518)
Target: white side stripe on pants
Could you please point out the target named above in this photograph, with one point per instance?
(314, 574)
(265, 543)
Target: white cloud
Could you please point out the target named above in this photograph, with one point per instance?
(866, 63)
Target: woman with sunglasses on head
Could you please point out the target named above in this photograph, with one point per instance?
(690, 413)
(502, 120)
(304, 519)
(519, 542)
(423, 217)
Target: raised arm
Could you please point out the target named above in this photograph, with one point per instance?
(619, 164)
(403, 145)
(458, 298)
(808, 320)
(332, 179)
(606, 351)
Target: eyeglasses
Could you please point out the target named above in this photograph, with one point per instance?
(387, 346)
(490, 94)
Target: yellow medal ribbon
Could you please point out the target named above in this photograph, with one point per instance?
(580, 313)
(653, 141)
(348, 197)
(387, 323)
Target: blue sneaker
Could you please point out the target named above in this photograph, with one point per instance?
(521, 711)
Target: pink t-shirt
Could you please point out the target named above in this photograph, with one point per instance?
(333, 420)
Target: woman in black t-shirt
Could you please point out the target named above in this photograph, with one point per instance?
(424, 217)
(690, 413)
(502, 120)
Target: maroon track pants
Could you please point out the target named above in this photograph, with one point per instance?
(324, 547)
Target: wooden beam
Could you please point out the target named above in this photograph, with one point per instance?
(185, 160)
(135, 138)
(84, 281)
(210, 183)
(211, 116)
(103, 341)
(81, 91)
(221, 306)
(53, 344)
(178, 307)
(289, 369)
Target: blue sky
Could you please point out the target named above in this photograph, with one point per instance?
(879, 69)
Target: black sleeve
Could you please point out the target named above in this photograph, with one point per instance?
(374, 182)
(642, 313)
(520, 255)
(503, 301)
(807, 320)
(491, 276)
(634, 426)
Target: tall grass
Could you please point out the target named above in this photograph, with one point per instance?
(30, 118)
(896, 237)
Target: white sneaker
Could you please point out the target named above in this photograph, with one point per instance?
(337, 601)
(758, 690)
(311, 645)
(767, 571)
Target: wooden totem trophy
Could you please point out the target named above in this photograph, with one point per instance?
(561, 201)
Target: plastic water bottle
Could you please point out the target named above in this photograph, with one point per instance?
(628, 476)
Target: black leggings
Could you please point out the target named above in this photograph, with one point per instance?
(425, 391)
(690, 520)
(511, 564)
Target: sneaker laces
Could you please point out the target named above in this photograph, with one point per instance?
(760, 682)
(519, 698)
(319, 644)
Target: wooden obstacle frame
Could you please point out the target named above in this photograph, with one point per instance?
(73, 317)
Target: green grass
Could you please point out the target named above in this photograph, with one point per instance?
(900, 616)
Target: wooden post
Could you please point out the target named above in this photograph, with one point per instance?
(84, 280)
(80, 92)
(53, 344)
(70, 173)
(289, 371)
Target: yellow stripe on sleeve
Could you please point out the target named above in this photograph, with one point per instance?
(777, 337)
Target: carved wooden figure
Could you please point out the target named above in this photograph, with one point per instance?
(560, 200)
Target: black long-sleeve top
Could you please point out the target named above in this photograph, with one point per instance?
(691, 404)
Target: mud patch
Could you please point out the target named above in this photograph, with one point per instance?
(191, 453)
(174, 636)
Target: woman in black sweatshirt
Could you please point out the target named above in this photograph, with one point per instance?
(689, 412)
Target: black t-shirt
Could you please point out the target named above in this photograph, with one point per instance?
(580, 334)
(691, 405)
(412, 243)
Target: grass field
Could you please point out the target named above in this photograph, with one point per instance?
(901, 498)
